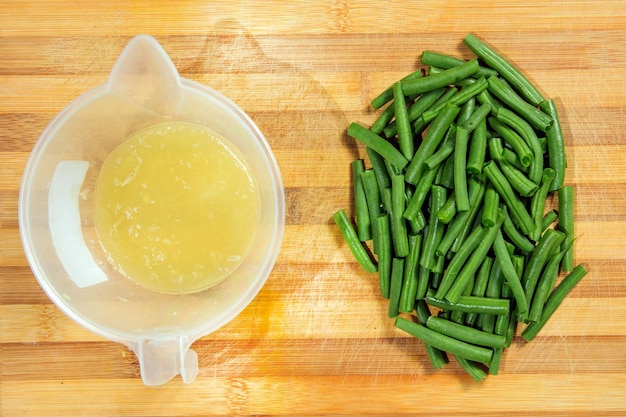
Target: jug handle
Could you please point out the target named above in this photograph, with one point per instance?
(162, 359)
(146, 75)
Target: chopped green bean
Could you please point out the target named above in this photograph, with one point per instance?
(372, 194)
(423, 102)
(545, 285)
(460, 173)
(554, 301)
(519, 263)
(504, 68)
(447, 212)
(543, 141)
(467, 109)
(405, 134)
(482, 277)
(458, 99)
(470, 91)
(496, 148)
(457, 262)
(411, 265)
(480, 285)
(485, 97)
(494, 365)
(473, 368)
(378, 144)
(478, 116)
(518, 144)
(363, 220)
(395, 290)
(520, 182)
(372, 198)
(419, 126)
(417, 222)
(437, 357)
(443, 342)
(510, 332)
(391, 168)
(473, 221)
(378, 165)
(388, 208)
(502, 324)
(435, 279)
(495, 284)
(516, 207)
(386, 201)
(465, 333)
(491, 204)
(512, 158)
(447, 177)
(401, 243)
(385, 254)
(432, 112)
(440, 266)
(434, 135)
(421, 193)
(566, 224)
(501, 327)
(526, 131)
(471, 304)
(383, 120)
(444, 99)
(447, 77)
(475, 259)
(477, 149)
(476, 193)
(550, 241)
(449, 136)
(435, 228)
(418, 108)
(446, 61)
(549, 218)
(556, 146)
(538, 202)
(459, 316)
(423, 282)
(432, 70)
(352, 239)
(533, 115)
(445, 150)
(384, 97)
(510, 275)
(516, 237)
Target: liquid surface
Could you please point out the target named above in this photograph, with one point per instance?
(175, 208)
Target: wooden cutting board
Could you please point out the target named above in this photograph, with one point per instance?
(316, 340)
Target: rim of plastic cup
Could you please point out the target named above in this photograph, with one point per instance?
(225, 316)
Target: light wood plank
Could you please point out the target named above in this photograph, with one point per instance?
(567, 393)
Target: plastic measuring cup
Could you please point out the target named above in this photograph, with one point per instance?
(56, 212)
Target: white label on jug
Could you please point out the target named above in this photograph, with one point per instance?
(65, 226)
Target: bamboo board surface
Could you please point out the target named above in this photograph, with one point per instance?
(316, 340)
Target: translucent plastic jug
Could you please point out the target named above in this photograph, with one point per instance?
(56, 212)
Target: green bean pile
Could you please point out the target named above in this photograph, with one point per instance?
(453, 211)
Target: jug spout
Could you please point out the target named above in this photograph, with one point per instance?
(145, 74)
(162, 359)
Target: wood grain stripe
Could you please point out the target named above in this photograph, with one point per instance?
(209, 51)
(284, 317)
(341, 394)
(322, 17)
